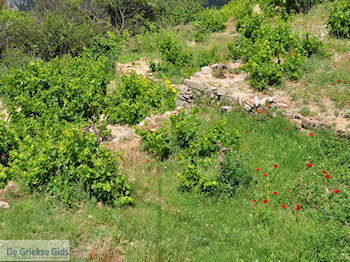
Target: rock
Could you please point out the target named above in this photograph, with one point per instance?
(206, 70)
(233, 100)
(4, 205)
(226, 108)
(256, 101)
(271, 99)
(263, 101)
(312, 124)
(211, 89)
(196, 84)
(219, 66)
(297, 116)
(281, 105)
(247, 107)
(221, 91)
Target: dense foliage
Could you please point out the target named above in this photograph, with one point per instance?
(198, 144)
(271, 50)
(339, 19)
(136, 97)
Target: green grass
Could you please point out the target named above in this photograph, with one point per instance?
(167, 225)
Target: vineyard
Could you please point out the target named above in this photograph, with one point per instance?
(177, 130)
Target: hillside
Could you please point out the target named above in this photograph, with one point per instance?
(169, 131)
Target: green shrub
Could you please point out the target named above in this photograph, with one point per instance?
(173, 52)
(233, 175)
(271, 50)
(73, 90)
(157, 142)
(7, 143)
(136, 97)
(209, 20)
(184, 128)
(339, 19)
(67, 163)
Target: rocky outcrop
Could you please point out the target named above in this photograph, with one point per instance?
(227, 85)
(23, 5)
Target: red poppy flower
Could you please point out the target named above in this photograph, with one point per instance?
(258, 169)
(333, 84)
(328, 176)
(339, 81)
(325, 172)
(275, 166)
(336, 191)
(167, 132)
(312, 134)
(247, 131)
(264, 174)
(287, 128)
(298, 207)
(268, 106)
(254, 201)
(289, 191)
(148, 161)
(310, 165)
(275, 193)
(284, 206)
(265, 201)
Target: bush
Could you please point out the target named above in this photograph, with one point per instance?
(73, 90)
(233, 175)
(157, 142)
(137, 97)
(339, 19)
(68, 164)
(173, 52)
(271, 50)
(196, 144)
(209, 20)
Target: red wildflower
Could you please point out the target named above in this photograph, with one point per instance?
(284, 206)
(289, 191)
(167, 132)
(310, 165)
(264, 174)
(268, 106)
(254, 205)
(275, 193)
(335, 66)
(258, 169)
(328, 176)
(265, 201)
(336, 191)
(254, 201)
(312, 134)
(333, 84)
(325, 172)
(287, 128)
(148, 161)
(298, 207)
(339, 81)
(247, 131)
(275, 166)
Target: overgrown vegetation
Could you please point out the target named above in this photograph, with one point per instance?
(231, 186)
(339, 19)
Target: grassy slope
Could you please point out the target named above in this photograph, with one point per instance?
(166, 225)
(322, 73)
